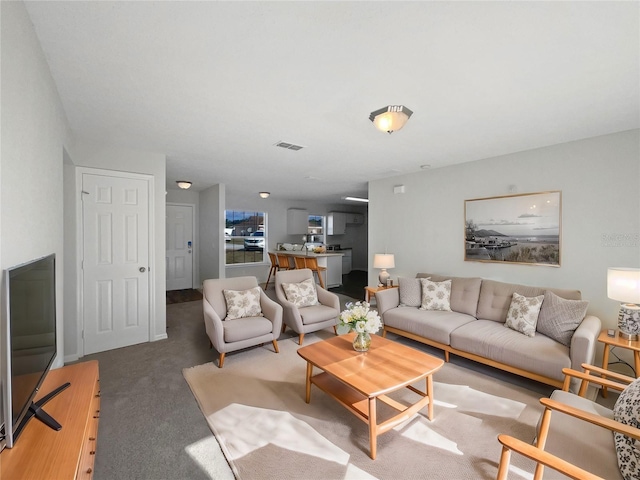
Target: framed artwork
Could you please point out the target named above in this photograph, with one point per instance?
(524, 229)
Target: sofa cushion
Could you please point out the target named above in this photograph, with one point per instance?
(569, 438)
(559, 317)
(242, 303)
(495, 297)
(627, 411)
(464, 291)
(523, 314)
(301, 294)
(410, 291)
(435, 295)
(489, 339)
(434, 325)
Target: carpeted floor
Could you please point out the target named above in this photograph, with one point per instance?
(181, 296)
(151, 427)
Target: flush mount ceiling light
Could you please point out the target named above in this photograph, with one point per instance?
(183, 184)
(390, 118)
(264, 194)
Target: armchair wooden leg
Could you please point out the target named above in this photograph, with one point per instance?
(300, 339)
(275, 346)
(335, 330)
(284, 327)
(221, 360)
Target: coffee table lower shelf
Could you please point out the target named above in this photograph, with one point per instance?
(365, 408)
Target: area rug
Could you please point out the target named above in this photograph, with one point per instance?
(256, 409)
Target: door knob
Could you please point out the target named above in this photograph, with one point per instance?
(142, 269)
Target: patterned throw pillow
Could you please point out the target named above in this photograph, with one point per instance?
(243, 303)
(435, 295)
(627, 411)
(560, 317)
(410, 292)
(301, 294)
(523, 313)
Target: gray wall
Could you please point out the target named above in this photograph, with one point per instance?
(211, 226)
(598, 178)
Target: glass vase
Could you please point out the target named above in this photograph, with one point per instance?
(362, 342)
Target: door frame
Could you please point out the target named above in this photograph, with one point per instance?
(80, 171)
(195, 273)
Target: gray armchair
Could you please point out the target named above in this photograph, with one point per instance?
(306, 319)
(231, 335)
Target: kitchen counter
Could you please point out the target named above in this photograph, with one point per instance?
(301, 253)
(332, 261)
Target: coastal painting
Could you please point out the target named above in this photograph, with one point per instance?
(524, 228)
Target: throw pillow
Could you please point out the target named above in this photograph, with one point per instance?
(410, 292)
(243, 303)
(627, 410)
(301, 294)
(435, 295)
(523, 313)
(560, 317)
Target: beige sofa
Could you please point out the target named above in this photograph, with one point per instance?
(475, 328)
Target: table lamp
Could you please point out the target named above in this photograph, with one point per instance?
(383, 261)
(623, 284)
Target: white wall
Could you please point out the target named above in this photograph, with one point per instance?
(34, 131)
(88, 154)
(211, 227)
(598, 178)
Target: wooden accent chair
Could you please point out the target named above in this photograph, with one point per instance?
(578, 440)
(306, 319)
(273, 269)
(231, 335)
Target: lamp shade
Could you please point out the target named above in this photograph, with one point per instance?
(390, 118)
(623, 284)
(383, 260)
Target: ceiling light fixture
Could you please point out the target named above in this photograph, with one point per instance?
(264, 194)
(357, 199)
(183, 184)
(390, 118)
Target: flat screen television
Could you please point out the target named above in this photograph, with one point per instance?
(29, 343)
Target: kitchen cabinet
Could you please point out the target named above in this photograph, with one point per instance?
(355, 218)
(297, 221)
(336, 223)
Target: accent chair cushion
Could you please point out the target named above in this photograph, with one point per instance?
(243, 303)
(435, 295)
(559, 317)
(627, 411)
(523, 313)
(301, 294)
(410, 290)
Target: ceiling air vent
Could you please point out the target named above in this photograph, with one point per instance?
(289, 146)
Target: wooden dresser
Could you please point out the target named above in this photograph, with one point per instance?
(43, 453)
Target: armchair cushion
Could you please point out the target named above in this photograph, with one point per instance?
(560, 317)
(523, 313)
(435, 295)
(317, 313)
(243, 303)
(627, 411)
(246, 328)
(301, 294)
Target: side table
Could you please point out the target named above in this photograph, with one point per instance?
(617, 341)
(368, 291)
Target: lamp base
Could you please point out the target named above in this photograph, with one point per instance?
(629, 321)
(383, 277)
(632, 337)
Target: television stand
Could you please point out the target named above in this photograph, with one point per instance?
(69, 453)
(35, 410)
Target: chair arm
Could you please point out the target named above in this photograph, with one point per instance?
(213, 325)
(598, 420)
(586, 378)
(272, 311)
(601, 371)
(328, 298)
(539, 456)
(387, 299)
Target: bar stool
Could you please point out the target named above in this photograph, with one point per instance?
(312, 264)
(283, 261)
(299, 262)
(273, 269)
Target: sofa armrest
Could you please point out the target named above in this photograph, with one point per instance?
(583, 345)
(387, 299)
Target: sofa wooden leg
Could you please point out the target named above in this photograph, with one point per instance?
(446, 356)
(221, 360)
(384, 333)
(301, 339)
(275, 346)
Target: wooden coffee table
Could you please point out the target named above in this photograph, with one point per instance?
(357, 380)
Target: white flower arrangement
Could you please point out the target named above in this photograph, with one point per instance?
(360, 318)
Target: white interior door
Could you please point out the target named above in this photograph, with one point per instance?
(115, 267)
(179, 247)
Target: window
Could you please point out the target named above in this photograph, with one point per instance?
(245, 237)
(315, 229)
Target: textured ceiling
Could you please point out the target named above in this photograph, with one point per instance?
(214, 85)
